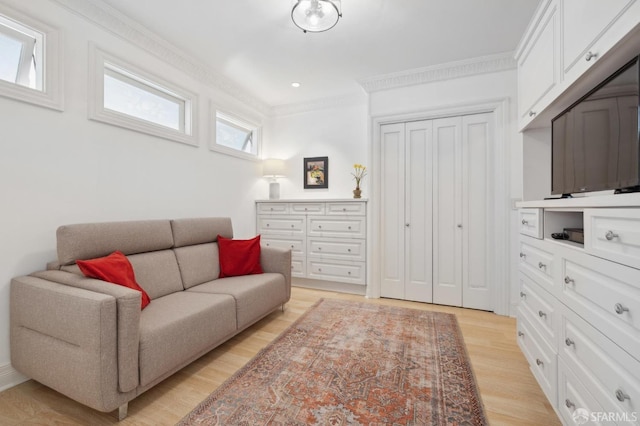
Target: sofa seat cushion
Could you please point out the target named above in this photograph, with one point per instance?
(255, 295)
(177, 328)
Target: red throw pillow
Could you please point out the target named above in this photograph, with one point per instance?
(115, 269)
(239, 257)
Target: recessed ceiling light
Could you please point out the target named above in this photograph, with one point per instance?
(295, 84)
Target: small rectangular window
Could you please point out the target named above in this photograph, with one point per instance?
(21, 52)
(237, 137)
(126, 96)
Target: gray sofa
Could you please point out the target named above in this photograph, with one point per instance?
(89, 340)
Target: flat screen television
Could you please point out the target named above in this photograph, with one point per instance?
(595, 141)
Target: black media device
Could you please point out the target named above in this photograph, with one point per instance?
(595, 141)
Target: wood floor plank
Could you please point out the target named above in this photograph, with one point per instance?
(509, 391)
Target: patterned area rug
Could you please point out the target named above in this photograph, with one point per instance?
(347, 363)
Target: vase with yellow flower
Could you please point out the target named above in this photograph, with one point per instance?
(359, 172)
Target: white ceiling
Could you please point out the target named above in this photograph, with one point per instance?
(255, 44)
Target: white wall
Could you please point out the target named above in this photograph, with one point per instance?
(60, 168)
(338, 132)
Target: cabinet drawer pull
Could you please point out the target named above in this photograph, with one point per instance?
(349, 250)
(268, 225)
(542, 265)
(348, 227)
(319, 248)
(569, 342)
(542, 314)
(344, 209)
(319, 269)
(621, 309)
(621, 396)
(271, 209)
(520, 334)
(532, 113)
(539, 362)
(319, 226)
(610, 235)
(569, 404)
(523, 294)
(349, 272)
(267, 244)
(292, 226)
(568, 280)
(590, 55)
(292, 246)
(522, 255)
(525, 222)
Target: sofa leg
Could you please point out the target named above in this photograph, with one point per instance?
(122, 411)
(282, 307)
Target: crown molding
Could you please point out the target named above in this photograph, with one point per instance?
(124, 27)
(320, 104)
(447, 71)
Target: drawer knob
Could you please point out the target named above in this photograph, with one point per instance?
(569, 342)
(590, 55)
(520, 334)
(542, 314)
(349, 272)
(319, 226)
(523, 294)
(621, 396)
(541, 265)
(271, 208)
(319, 269)
(319, 248)
(291, 245)
(525, 222)
(267, 244)
(522, 255)
(532, 113)
(621, 309)
(539, 362)
(267, 225)
(568, 280)
(610, 235)
(349, 250)
(344, 209)
(292, 226)
(569, 404)
(349, 227)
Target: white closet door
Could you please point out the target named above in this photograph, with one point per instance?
(477, 137)
(418, 211)
(447, 215)
(392, 274)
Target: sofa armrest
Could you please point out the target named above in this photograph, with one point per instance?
(277, 260)
(128, 320)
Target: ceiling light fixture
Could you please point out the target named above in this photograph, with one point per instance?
(316, 15)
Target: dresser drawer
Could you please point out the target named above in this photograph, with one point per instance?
(530, 222)
(273, 208)
(335, 270)
(296, 245)
(541, 357)
(607, 294)
(573, 395)
(540, 308)
(613, 234)
(611, 374)
(336, 248)
(537, 263)
(284, 225)
(307, 208)
(298, 267)
(354, 227)
(353, 208)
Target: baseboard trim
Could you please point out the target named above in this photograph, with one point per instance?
(329, 286)
(9, 377)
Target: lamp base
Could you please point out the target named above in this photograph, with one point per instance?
(274, 191)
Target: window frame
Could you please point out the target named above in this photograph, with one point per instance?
(103, 63)
(234, 120)
(48, 47)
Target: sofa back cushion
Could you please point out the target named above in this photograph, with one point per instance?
(198, 264)
(92, 240)
(187, 232)
(157, 272)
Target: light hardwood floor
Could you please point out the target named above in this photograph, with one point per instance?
(509, 391)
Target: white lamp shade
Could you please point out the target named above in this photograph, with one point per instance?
(316, 15)
(273, 168)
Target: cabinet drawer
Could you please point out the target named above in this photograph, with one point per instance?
(284, 225)
(307, 208)
(610, 373)
(607, 295)
(335, 248)
(335, 270)
(540, 308)
(352, 208)
(537, 263)
(572, 395)
(273, 208)
(530, 222)
(298, 267)
(296, 245)
(613, 234)
(541, 357)
(354, 227)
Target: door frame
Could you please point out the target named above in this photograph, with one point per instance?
(499, 267)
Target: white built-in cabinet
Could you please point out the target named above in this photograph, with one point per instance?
(436, 210)
(327, 238)
(564, 40)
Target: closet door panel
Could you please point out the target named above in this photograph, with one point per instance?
(392, 202)
(418, 208)
(447, 192)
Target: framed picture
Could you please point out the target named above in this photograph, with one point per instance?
(316, 173)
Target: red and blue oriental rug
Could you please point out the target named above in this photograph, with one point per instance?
(348, 363)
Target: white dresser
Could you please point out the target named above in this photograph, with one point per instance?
(328, 238)
(579, 310)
